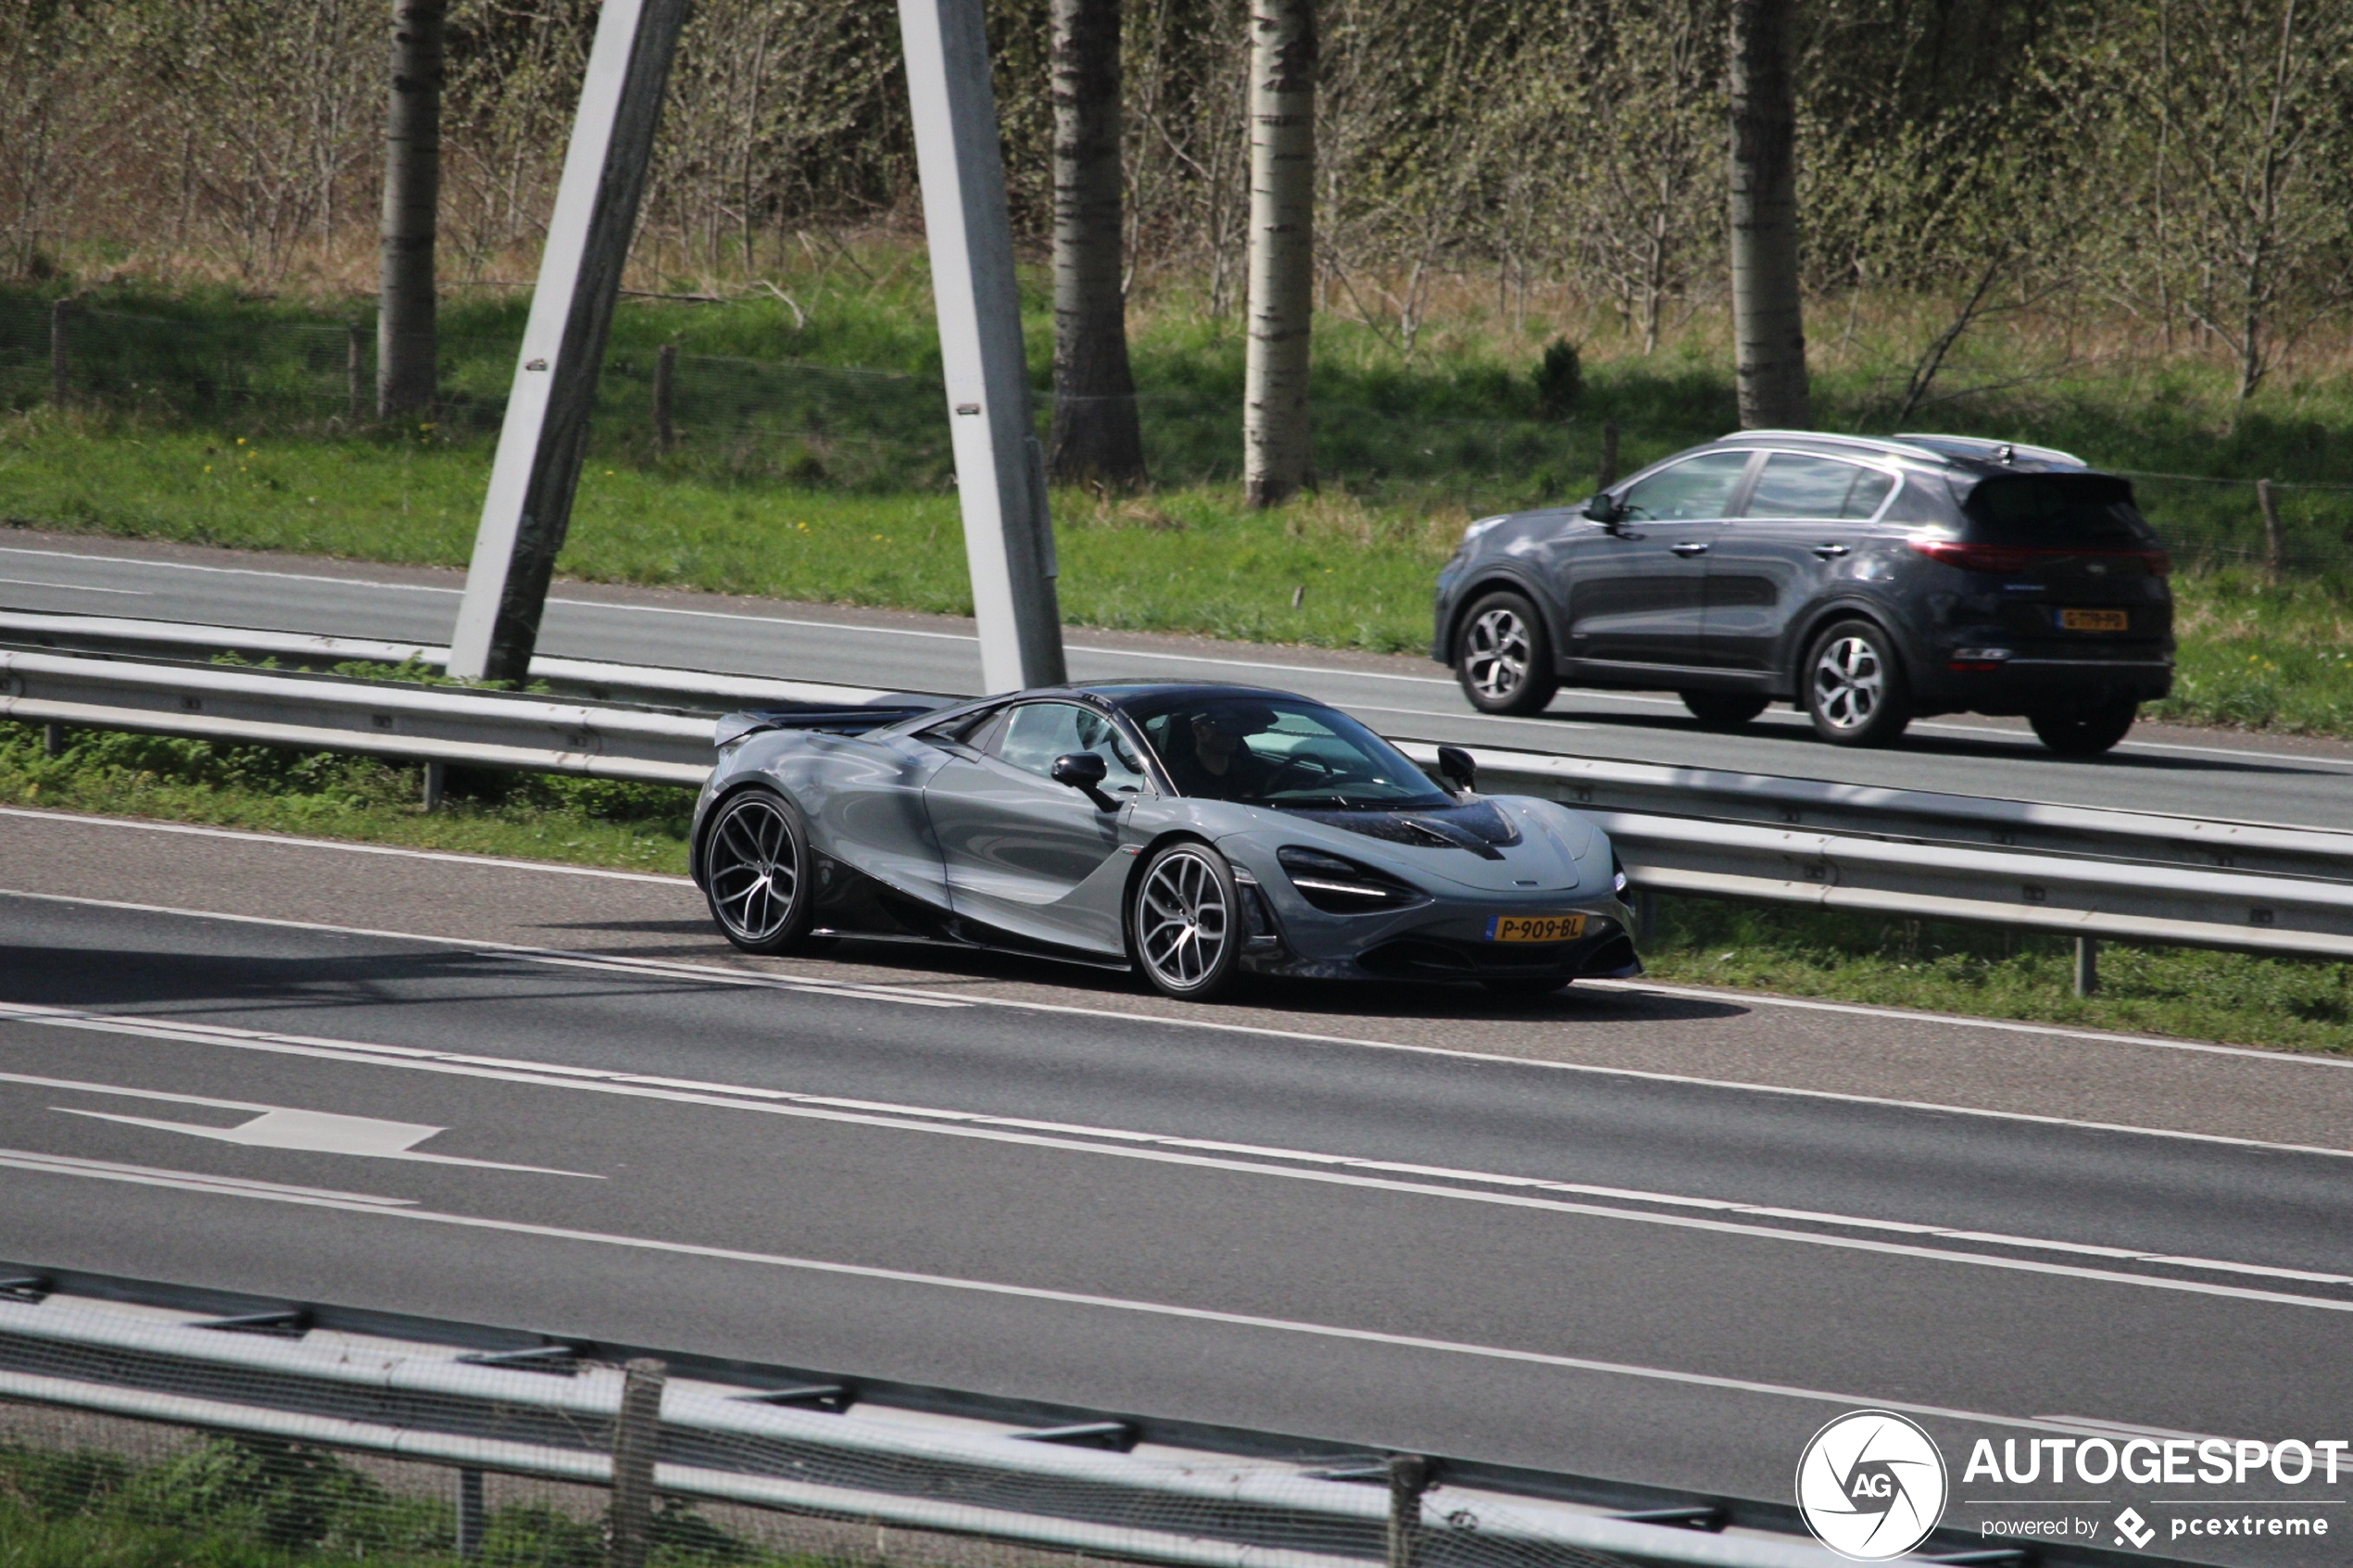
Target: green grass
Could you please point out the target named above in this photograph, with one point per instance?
(2283, 1002)
(245, 1502)
(541, 816)
(2297, 1004)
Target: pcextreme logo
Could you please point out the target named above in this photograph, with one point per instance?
(1871, 1485)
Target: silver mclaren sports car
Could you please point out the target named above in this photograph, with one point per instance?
(1190, 833)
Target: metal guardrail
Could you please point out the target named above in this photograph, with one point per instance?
(485, 1401)
(2072, 871)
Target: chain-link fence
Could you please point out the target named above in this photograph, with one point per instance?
(838, 426)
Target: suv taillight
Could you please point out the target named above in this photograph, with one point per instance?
(2007, 559)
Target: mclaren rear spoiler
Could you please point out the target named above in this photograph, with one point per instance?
(897, 708)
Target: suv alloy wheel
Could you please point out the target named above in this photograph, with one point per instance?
(1503, 657)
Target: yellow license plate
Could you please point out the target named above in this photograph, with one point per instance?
(2095, 621)
(1535, 928)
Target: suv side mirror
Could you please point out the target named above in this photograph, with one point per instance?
(1601, 508)
(1085, 772)
(1455, 765)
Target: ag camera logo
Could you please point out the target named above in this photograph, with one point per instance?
(1871, 1485)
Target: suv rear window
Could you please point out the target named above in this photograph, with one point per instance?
(2090, 510)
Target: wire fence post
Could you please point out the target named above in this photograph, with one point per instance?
(1408, 1479)
(665, 385)
(634, 1436)
(355, 358)
(1609, 456)
(2274, 543)
(472, 1518)
(2087, 965)
(61, 351)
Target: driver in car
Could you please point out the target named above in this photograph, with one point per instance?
(1218, 765)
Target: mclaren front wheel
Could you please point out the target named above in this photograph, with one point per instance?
(1185, 923)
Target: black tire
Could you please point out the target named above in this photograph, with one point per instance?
(1185, 923)
(1854, 687)
(1503, 655)
(1526, 986)
(1723, 709)
(2086, 731)
(753, 842)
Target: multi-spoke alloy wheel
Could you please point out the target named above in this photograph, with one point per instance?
(1185, 923)
(755, 866)
(1504, 661)
(1854, 688)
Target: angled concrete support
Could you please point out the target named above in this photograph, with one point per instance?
(538, 469)
(1000, 473)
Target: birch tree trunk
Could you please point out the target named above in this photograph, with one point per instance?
(1095, 432)
(406, 351)
(1769, 327)
(1276, 458)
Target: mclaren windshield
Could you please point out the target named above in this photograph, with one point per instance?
(1276, 751)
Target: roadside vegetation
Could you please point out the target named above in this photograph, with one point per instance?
(2289, 1003)
(809, 464)
(241, 1503)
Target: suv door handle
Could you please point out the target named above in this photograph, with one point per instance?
(1830, 552)
(1689, 547)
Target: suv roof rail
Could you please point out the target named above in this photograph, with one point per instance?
(1899, 446)
(1986, 450)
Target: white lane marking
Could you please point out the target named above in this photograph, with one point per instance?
(968, 637)
(141, 562)
(290, 841)
(1999, 1025)
(1079, 1299)
(75, 587)
(1210, 1154)
(272, 1126)
(1551, 725)
(750, 977)
(196, 1181)
(656, 969)
(1261, 664)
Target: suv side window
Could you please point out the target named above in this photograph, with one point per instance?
(1039, 732)
(1697, 489)
(1794, 485)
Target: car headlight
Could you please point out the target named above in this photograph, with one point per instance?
(1341, 887)
(1616, 874)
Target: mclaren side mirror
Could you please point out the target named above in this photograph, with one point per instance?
(1085, 772)
(1455, 765)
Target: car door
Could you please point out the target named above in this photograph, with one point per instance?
(1799, 532)
(1027, 855)
(1637, 589)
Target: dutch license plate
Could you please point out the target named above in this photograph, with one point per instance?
(2095, 621)
(1535, 928)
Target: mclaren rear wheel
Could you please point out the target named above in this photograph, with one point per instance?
(1185, 925)
(755, 876)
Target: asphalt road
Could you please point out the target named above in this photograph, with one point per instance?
(1545, 1235)
(2181, 772)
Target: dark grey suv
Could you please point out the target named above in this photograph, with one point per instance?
(1867, 581)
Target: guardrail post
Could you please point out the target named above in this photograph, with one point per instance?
(436, 785)
(2087, 965)
(665, 388)
(472, 1518)
(1408, 1479)
(2274, 542)
(634, 1435)
(61, 351)
(53, 740)
(355, 369)
(1646, 914)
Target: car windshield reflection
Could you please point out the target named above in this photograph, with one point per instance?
(1269, 751)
